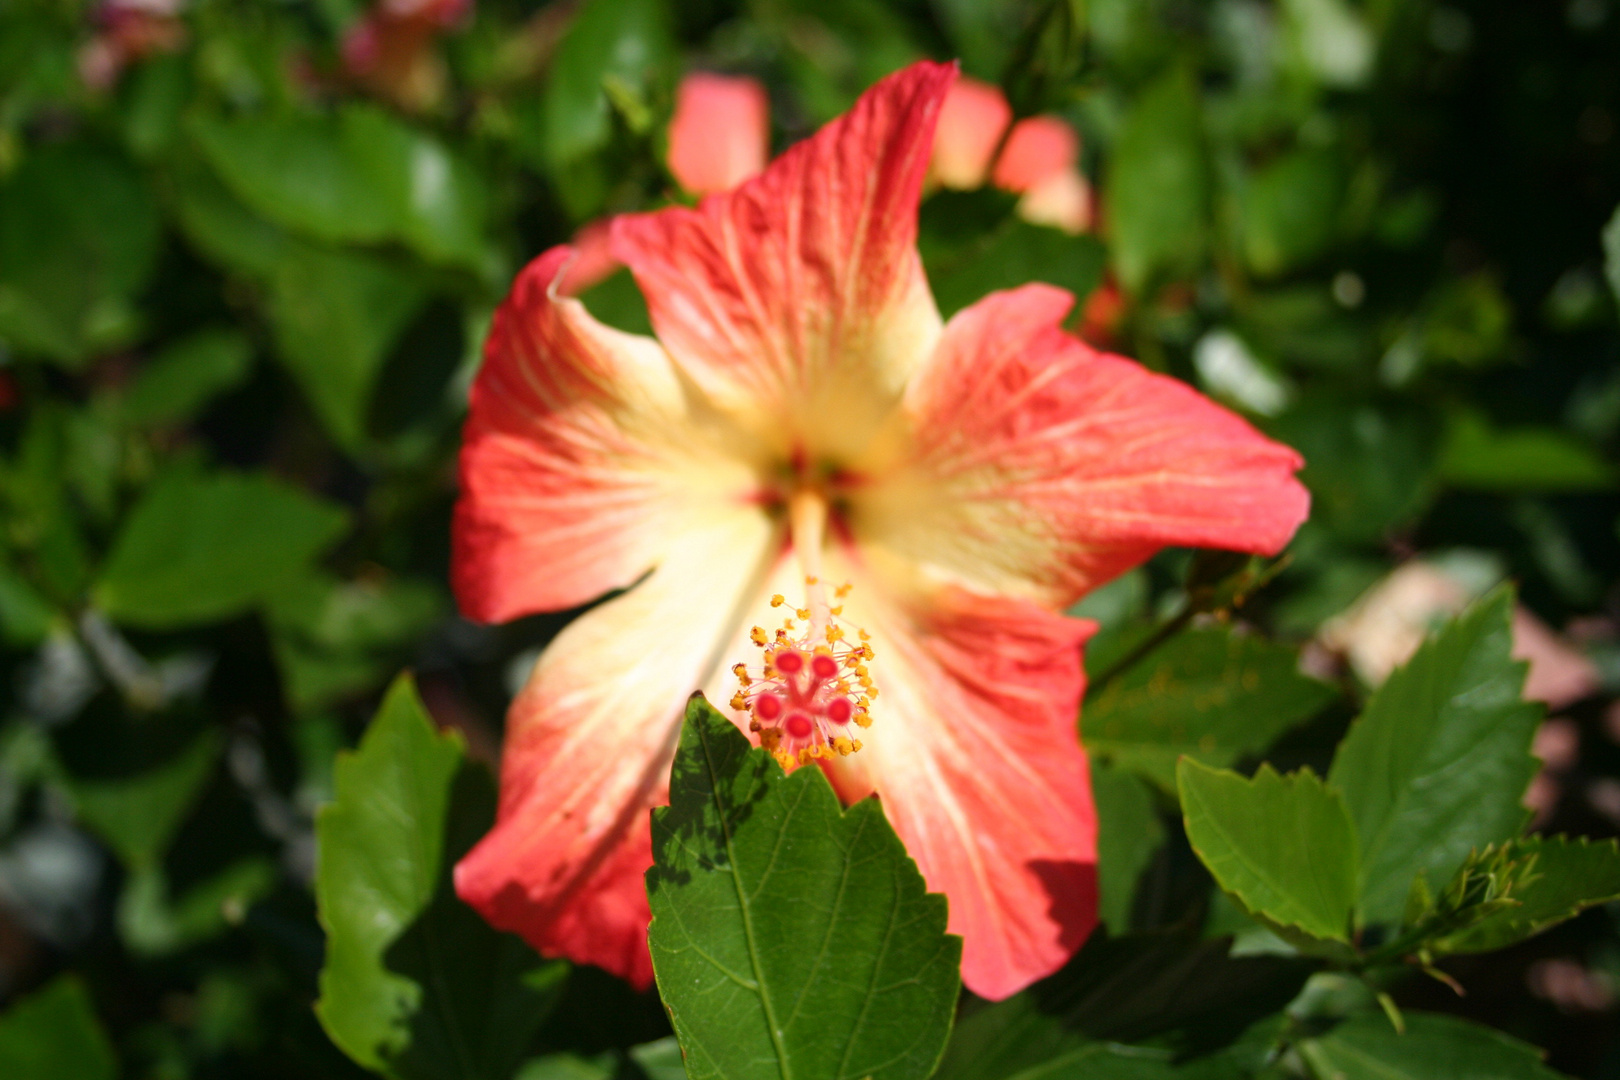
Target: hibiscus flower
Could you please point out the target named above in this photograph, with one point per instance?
(804, 413)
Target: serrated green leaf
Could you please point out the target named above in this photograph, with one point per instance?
(415, 984)
(790, 938)
(1211, 694)
(198, 548)
(1567, 877)
(1433, 1047)
(182, 378)
(1437, 763)
(54, 1034)
(1283, 846)
(1158, 185)
(1128, 833)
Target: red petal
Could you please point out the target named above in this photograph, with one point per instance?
(1036, 461)
(975, 753)
(802, 288)
(720, 134)
(588, 748)
(577, 457)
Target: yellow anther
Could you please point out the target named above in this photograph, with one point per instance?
(843, 746)
(781, 638)
(739, 702)
(865, 636)
(787, 624)
(860, 671)
(857, 744)
(839, 610)
(834, 632)
(806, 756)
(863, 719)
(810, 580)
(871, 691)
(770, 738)
(803, 613)
(777, 600)
(843, 590)
(757, 635)
(741, 671)
(822, 650)
(783, 758)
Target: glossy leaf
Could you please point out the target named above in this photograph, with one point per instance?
(627, 40)
(363, 176)
(1211, 694)
(203, 547)
(415, 984)
(749, 865)
(1433, 1047)
(53, 1034)
(1282, 846)
(1158, 187)
(1437, 763)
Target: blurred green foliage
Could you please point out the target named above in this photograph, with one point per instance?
(243, 287)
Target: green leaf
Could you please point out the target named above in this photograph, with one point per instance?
(1158, 186)
(200, 548)
(1182, 993)
(79, 233)
(627, 40)
(335, 638)
(1291, 210)
(1128, 833)
(569, 1067)
(1211, 694)
(336, 314)
(415, 983)
(1437, 763)
(1567, 876)
(1014, 254)
(363, 176)
(1282, 846)
(1369, 466)
(1433, 1047)
(1519, 459)
(139, 815)
(182, 378)
(1611, 253)
(790, 937)
(54, 1034)
(660, 1060)
(151, 923)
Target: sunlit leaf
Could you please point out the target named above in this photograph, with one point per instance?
(749, 866)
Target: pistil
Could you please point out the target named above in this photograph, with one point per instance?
(814, 681)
